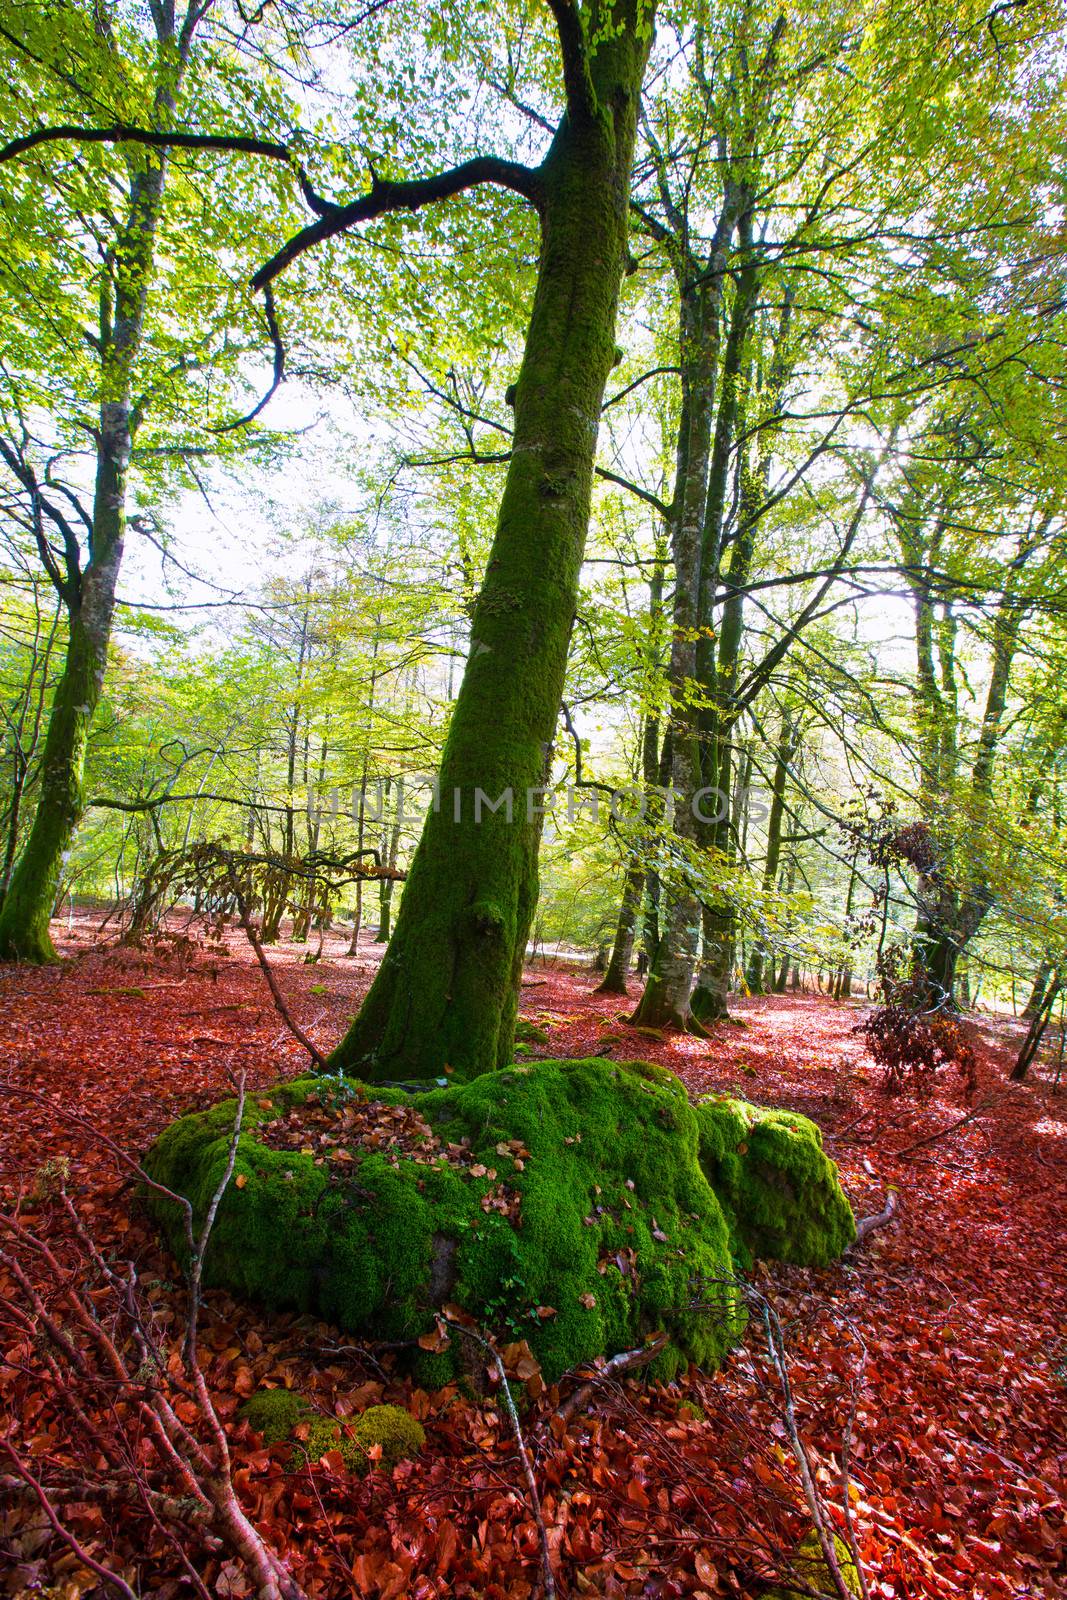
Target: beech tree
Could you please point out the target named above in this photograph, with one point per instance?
(89, 350)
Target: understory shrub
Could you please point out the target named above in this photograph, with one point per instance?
(908, 1038)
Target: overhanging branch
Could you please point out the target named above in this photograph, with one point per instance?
(386, 195)
(124, 133)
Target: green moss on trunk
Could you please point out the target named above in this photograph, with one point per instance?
(31, 894)
(445, 993)
(580, 1205)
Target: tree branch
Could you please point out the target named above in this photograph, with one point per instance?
(646, 495)
(581, 98)
(279, 366)
(386, 196)
(123, 133)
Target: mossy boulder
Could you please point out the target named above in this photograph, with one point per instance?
(580, 1205)
(775, 1182)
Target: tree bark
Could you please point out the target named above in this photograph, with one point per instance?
(445, 996)
(618, 968)
(89, 592)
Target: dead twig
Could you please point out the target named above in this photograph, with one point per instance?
(866, 1225)
(942, 1133)
(547, 1579)
(625, 1361)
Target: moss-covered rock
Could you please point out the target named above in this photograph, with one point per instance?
(576, 1204)
(776, 1183)
(809, 1570)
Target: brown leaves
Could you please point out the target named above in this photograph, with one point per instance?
(959, 1476)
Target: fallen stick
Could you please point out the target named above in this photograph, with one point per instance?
(941, 1133)
(548, 1582)
(625, 1361)
(866, 1225)
(140, 988)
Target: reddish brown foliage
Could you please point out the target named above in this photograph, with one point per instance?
(959, 1462)
(909, 1038)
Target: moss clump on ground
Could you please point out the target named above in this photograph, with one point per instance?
(580, 1205)
(808, 1569)
(400, 1434)
(529, 1033)
(275, 1413)
(280, 1414)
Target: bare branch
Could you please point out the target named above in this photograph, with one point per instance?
(387, 195)
(124, 133)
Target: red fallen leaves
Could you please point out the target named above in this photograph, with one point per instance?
(958, 1457)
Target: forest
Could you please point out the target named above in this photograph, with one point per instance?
(533, 799)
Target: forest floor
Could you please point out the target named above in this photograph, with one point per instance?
(958, 1457)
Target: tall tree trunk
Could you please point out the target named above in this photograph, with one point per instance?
(89, 592)
(665, 1001)
(782, 757)
(618, 968)
(446, 993)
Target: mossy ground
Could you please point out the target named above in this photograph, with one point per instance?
(580, 1205)
(380, 1436)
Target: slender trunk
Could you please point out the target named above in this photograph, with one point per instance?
(1036, 1031)
(782, 757)
(843, 988)
(390, 852)
(89, 592)
(618, 966)
(657, 769)
(1037, 993)
(783, 972)
(361, 834)
(446, 993)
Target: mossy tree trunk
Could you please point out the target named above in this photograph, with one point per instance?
(446, 992)
(87, 588)
(665, 1001)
